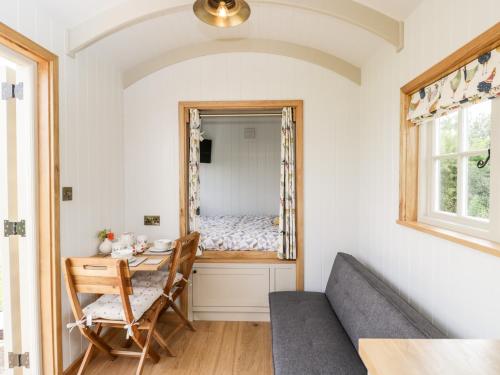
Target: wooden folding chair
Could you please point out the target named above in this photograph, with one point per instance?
(180, 269)
(117, 307)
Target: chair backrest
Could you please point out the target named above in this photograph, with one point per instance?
(188, 254)
(172, 271)
(183, 258)
(98, 275)
(94, 275)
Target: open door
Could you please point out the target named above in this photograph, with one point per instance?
(19, 307)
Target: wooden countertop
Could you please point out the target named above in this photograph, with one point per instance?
(430, 357)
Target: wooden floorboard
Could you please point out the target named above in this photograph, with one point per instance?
(215, 348)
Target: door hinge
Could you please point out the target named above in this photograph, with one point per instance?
(19, 360)
(14, 228)
(12, 91)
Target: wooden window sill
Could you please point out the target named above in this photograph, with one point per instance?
(485, 246)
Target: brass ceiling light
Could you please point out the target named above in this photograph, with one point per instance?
(222, 13)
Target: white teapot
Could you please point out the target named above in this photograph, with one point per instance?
(127, 239)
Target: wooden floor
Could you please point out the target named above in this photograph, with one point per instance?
(215, 348)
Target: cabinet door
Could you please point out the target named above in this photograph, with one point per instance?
(230, 287)
(284, 279)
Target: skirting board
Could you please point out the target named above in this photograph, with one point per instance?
(232, 316)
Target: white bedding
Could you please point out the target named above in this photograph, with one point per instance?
(239, 233)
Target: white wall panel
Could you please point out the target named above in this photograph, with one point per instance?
(91, 142)
(244, 175)
(331, 107)
(453, 285)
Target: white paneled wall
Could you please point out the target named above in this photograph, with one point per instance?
(455, 286)
(244, 176)
(331, 107)
(91, 142)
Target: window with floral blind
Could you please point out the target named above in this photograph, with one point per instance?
(450, 147)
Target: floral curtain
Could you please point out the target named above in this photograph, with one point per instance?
(472, 83)
(288, 250)
(194, 169)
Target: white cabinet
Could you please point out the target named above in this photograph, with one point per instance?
(226, 287)
(236, 291)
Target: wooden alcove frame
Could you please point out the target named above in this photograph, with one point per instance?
(409, 142)
(47, 143)
(246, 256)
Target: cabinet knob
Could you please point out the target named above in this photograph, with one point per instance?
(195, 271)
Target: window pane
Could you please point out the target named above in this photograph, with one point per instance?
(447, 133)
(478, 124)
(447, 169)
(478, 197)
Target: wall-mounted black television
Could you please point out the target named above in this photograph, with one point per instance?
(206, 151)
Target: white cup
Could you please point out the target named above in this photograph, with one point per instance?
(163, 244)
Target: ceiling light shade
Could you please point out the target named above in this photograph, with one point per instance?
(222, 13)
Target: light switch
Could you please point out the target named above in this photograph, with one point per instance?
(151, 220)
(67, 193)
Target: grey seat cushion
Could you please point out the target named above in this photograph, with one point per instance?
(369, 308)
(308, 338)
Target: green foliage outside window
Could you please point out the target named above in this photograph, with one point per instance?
(479, 189)
(448, 143)
(448, 185)
(478, 180)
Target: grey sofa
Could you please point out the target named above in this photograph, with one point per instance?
(318, 333)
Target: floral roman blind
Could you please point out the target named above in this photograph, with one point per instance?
(477, 81)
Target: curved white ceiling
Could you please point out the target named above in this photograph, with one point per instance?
(139, 44)
(138, 34)
(74, 12)
(131, 12)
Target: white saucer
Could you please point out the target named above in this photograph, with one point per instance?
(155, 250)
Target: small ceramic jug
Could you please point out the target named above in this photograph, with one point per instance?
(106, 246)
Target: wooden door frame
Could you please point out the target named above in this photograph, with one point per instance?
(47, 143)
(298, 109)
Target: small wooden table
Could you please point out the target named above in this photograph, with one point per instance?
(430, 357)
(147, 267)
(150, 267)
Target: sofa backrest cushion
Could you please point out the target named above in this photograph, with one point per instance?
(368, 308)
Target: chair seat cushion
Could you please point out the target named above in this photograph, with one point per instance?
(154, 279)
(308, 338)
(110, 306)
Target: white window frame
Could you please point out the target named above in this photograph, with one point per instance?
(428, 213)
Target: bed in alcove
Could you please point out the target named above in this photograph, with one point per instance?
(240, 233)
(236, 166)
